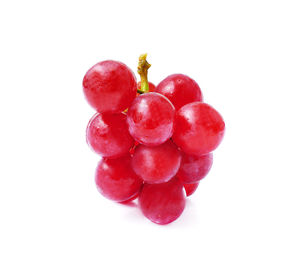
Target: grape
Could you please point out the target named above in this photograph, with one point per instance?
(109, 86)
(116, 180)
(180, 90)
(107, 134)
(156, 164)
(155, 142)
(151, 118)
(194, 168)
(199, 128)
(151, 86)
(190, 188)
(162, 203)
(131, 199)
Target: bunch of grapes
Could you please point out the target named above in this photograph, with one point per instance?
(156, 143)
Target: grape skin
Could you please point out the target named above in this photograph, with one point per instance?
(156, 164)
(109, 86)
(151, 119)
(194, 168)
(180, 90)
(162, 203)
(107, 134)
(190, 188)
(116, 180)
(199, 128)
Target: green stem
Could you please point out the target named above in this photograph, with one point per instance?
(143, 67)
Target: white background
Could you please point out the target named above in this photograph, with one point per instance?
(245, 57)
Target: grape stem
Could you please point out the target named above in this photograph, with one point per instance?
(142, 70)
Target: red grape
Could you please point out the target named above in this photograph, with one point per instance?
(107, 134)
(116, 180)
(190, 188)
(151, 86)
(155, 146)
(151, 118)
(162, 203)
(194, 168)
(156, 164)
(180, 90)
(131, 199)
(199, 128)
(109, 86)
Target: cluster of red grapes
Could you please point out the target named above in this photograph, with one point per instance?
(155, 142)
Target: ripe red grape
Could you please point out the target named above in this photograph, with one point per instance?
(190, 188)
(116, 180)
(155, 142)
(162, 203)
(151, 118)
(194, 168)
(180, 90)
(107, 134)
(151, 86)
(156, 164)
(199, 128)
(130, 201)
(109, 86)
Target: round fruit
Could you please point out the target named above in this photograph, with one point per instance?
(116, 180)
(190, 188)
(107, 134)
(151, 118)
(156, 164)
(109, 86)
(180, 90)
(199, 128)
(162, 203)
(194, 168)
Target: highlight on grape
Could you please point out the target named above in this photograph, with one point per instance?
(156, 142)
